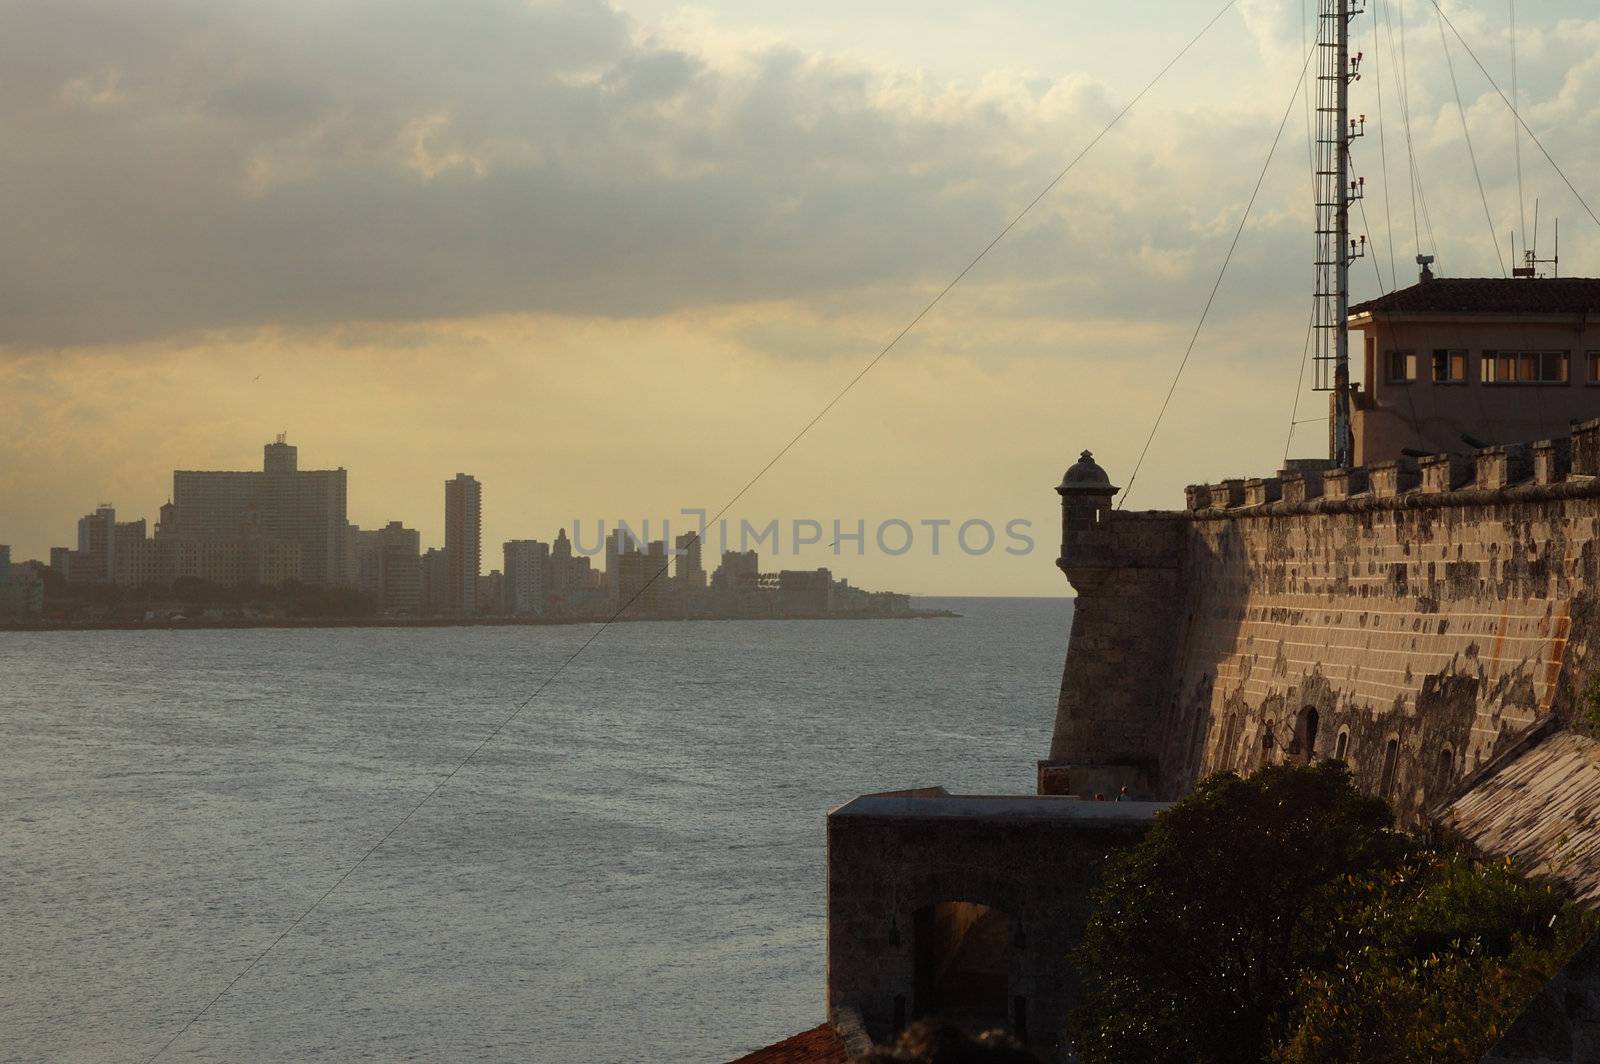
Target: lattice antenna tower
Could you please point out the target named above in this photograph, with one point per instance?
(1337, 69)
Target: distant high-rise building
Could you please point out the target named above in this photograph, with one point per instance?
(691, 572)
(5, 565)
(735, 563)
(561, 575)
(97, 546)
(61, 562)
(491, 592)
(527, 565)
(264, 518)
(807, 592)
(463, 536)
(388, 567)
(619, 542)
(435, 580)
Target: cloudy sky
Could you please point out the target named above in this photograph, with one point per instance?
(610, 257)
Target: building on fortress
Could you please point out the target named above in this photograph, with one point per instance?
(1499, 359)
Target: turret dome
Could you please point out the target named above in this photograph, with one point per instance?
(1085, 473)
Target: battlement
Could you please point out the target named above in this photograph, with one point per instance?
(1565, 467)
(1410, 617)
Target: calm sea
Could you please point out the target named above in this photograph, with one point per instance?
(633, 871)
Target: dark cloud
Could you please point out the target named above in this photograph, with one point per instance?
(181, 166)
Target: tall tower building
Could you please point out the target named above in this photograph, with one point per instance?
(463, 541)
(97, 546)
(691, 571)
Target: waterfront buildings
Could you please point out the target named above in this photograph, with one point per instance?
(691, 573)
(259, 527)
(387, 567)
(463, 542)
(527, 568)
(435, 580)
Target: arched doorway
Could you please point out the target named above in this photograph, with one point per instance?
(962, 963)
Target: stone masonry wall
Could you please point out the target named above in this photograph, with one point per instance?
(1444, 606)
(882, 870)
(1445, 629)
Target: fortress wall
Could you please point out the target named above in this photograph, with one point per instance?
(1446, 628)
(1443, 606)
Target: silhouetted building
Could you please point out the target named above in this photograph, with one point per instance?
(691, 572)
(435, 580)
(281, 523)
(527, 566)
(463, 541)
(806, 592)
(491, 592)
(388, 567)
(97, 546)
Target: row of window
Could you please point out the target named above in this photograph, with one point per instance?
(1449, 366)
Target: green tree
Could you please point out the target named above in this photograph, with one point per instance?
(1282, 918)
(1200, 934)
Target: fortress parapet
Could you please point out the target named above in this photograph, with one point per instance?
(1411, 617)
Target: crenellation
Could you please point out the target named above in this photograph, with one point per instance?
(1259, 491)
(1501, 467)
(1413, 603)
(1445, 472)
(1227, 494)
(1389, 479)
(1552, 460)
(1586, 448)
(1343, 483)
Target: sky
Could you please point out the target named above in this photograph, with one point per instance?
(611, 258)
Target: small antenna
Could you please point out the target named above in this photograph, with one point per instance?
(1530, 255)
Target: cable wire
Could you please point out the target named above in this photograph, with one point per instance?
(604, 626)
(1516, 136)
(1517, 115)
(1383, 149)
(1221, 273)
(1466, 135)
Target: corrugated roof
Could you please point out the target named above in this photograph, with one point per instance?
(1543, 808)
(820, 1045)
(1491, 295)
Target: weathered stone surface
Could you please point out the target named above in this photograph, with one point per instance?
(1034, 859)
(1443, 622)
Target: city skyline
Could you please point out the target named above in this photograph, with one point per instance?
(685, 533)
(764, 200)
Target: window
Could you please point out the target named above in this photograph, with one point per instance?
(1525, 367)
(1341, 745)
(1593, 375)
(1449, 367)
(1402, 367)
(1391, 762)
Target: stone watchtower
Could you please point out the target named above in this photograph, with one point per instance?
(1124, 567)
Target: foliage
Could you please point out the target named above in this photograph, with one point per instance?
(1281, 917)
(1200, 934)
(1440, 957)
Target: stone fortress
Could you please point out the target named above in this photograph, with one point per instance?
(1426, 616)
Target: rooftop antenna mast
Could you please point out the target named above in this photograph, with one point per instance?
(1530, 255)
(1336, 191)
